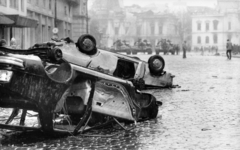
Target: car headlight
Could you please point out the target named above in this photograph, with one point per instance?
(5, 75)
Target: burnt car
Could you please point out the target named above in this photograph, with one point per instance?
(143, 74)
(74, 80)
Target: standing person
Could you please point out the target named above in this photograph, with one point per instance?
(184, 49)
(177, 48)
(229, 49)
(201, 49)
(13, 43)
(3, 43)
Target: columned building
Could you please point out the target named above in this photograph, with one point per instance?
(126, 24)
(213, 28)
(146, 26)
(34, 20)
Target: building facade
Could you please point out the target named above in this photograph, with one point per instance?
(37, 19)
(131, 24)
(215, 27)
(147, 26)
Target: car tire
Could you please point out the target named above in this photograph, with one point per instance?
(87, 44)
(156, 64)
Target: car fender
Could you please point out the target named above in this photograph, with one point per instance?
(164, 80)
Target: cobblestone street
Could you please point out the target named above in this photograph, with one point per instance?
(202, 114)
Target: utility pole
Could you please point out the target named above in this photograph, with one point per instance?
(55, 29)
(55, 15)
(87, 15)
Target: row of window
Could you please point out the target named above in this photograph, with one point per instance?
(160, 31)
(207, 25)
(215, 39)
(215, 25)
(49, 4)
(3, 2)
(42, 3)
(14, 4)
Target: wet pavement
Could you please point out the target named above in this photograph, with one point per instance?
(203, 114)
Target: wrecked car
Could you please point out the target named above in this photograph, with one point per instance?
(143, 74)
(70, 93)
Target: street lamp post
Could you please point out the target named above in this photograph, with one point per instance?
(87, 15)
(55, 15)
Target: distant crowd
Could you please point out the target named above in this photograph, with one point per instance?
(214, 49)
(210, 49)
(236, 49)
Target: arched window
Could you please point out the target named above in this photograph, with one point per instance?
(152, 25)
(199, 40)
(138, 30)
(207, 40)
(199, 26)
(215, 24)
(229, 25)
(229, 36)
(160, 29)
(215, 38)
(207, 25)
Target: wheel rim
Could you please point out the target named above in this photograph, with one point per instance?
(157, 64)
(88, 44)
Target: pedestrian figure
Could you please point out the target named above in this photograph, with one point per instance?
(229, 49)
(177, 49)
(3, 43)
(202, 50)
(184, 49)
(13, 43)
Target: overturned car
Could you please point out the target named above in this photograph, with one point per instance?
(90, 87)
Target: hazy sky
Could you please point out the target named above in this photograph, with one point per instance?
(210, 3)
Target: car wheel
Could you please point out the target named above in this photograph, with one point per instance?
(87, 44)
(156, 64)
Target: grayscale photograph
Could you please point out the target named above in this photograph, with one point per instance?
(120, 74)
